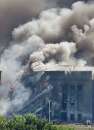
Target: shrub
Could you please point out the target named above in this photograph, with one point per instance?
(28, 122)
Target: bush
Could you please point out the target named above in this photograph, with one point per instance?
(3, 122)
(50, 127)
(28, 122)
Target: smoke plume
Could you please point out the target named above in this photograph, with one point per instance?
(16, 12)
(55, 26)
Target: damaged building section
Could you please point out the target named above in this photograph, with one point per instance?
(70, 94)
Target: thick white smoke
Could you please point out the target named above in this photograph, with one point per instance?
(59, 25)
(16, 12)
(12, 69)
(58, 36)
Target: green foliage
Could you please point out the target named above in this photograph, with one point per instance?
(16, 123)
(27, 122)
(50, 127)
(3, 122)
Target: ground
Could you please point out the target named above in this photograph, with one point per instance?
(74, 127)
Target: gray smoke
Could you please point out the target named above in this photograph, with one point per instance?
(57, 36)
(59, 25)
(13, 69)
(16, 12)
(62, 53)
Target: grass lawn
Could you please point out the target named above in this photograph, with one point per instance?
(73, 127)
(64, 127)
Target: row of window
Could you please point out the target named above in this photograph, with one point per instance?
(72, 117)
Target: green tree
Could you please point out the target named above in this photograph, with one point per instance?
(3, 123)
(16, 123)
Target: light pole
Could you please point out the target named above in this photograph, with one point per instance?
(49, 102)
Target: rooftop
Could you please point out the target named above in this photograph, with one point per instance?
(60, 67)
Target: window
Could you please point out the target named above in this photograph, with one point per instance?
(64, 116)
(72, 117)
(79, 87)
(79, 117)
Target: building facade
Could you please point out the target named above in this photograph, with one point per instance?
(66, 96)
(73, 94)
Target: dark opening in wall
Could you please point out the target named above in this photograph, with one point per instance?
(72, 117)
(79, 117)
(64, 116)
